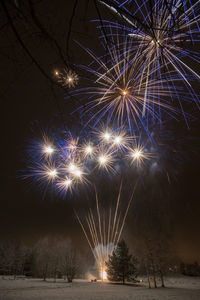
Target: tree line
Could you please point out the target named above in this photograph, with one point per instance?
(49, 258)
(52, 257)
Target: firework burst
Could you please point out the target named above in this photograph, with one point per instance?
(68, 78)
(120, 95)
(163, 40)
(67, 164)
(70, 162)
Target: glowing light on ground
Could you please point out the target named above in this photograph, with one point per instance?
(104, 275)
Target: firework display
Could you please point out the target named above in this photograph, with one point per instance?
(67, 163)
(148, 69)
(119, 94)
(161, 40)
(141, 84)
(67, 78)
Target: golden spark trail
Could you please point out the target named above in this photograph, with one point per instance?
(103, 229)
(116, 210)
(127, 209)
(85, 234)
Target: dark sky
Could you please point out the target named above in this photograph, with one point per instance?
(28, 96)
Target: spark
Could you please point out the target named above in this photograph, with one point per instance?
(67, 182)
(70, 81)
(72, 145)
(72, 167)
(64, 185)
(107, 136)
(43, 172)
(124, 92)
(138, 155)
(103, 159)
(77, 173)
(88, 150)
(118, 140)
(75, 170)
(121, 140)
(52, 173)
(69, 78)
(161, 41)
(56, 72)
(48, 149)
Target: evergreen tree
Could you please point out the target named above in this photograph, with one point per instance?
(121, 264)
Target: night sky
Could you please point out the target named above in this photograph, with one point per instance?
(29, 98)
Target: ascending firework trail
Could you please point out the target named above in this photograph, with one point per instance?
(103, 228)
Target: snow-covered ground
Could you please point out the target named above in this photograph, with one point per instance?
(183, 288)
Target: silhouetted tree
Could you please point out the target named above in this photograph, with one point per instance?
(70, 260)
(190, 269)
(121, 265)
(43, 257)
(12, 258)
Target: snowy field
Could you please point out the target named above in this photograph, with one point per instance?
(183, 288)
